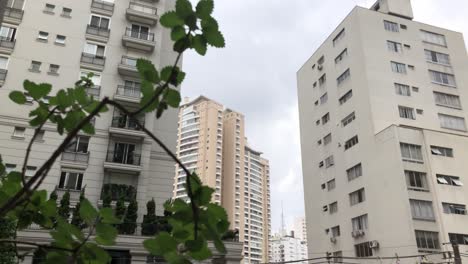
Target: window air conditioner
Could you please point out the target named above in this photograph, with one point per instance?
(333, 240)
(374, 244)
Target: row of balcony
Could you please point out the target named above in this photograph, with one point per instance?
(127, 66)
(132, 38)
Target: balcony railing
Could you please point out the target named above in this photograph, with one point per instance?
(98, 31)
(122, 158)
(127, 61)
(94, 91)
(151, 10)
(126, 122)
(75, 157)
(103, 5)
(14, 13)
(7, 43)
(139, 35)
(93, 59)
(117, 191)
(134, 92)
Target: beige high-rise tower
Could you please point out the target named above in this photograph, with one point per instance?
(383, 107)
(212, 142)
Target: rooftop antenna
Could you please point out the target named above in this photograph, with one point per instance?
(283, 231)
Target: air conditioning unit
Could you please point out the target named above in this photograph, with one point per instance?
(333, 240)
(361, 232)
(355, 234)
(320, 67)
(374, 244)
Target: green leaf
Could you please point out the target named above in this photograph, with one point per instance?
(199, 44)
(37, 91)
(203, 196)
(147, 70)
(171, 19)
(18, 97)
(91, 251)
(201, 254)
(105, 234)
(81, 96)
(214, 37)
(63, 100)
(181, 45)
(87, 211)
(55, 257)
(209, 23)
(160, 245)
(184, 8)
(191, 22)
(178, 32)
(173, 98)
(108, 217)
(204, 8)
(88, 129)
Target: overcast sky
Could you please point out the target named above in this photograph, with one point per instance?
(267, 42)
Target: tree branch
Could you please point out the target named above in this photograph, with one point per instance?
(42, 172)
(172, 155)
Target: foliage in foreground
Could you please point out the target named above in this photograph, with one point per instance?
(192, 223)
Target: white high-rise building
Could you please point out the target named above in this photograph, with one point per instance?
(287, 248)
(384, 138)
(300, 229)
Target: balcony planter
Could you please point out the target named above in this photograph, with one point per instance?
(116, 191)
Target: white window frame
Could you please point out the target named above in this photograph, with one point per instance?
(447, 100)
(360, 223)
(433, 38)
(100, 20)
(406, 112)
(402, 89)
(398, 67)
(339, 37)
(58, 41)
(422, 210)
(394, 46)
(411, 152)
(348, 119)
(442, 78)
(354, 172)
(19, 132)
(42, 35)
(343, 77)
(391, 26)
(66, 180)
(7, 61)
(448, 122)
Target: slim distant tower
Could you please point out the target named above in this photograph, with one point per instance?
(384, 138)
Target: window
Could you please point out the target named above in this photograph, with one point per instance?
(427, 240)
(398, 67)
(329, 161)
(354, 172)
(71, 180)
(335, 231)
(321, 164)
(322, 79)
(437, 57)
(79, 145)
(60, 39)
(30, 171)
(363, 250)
(343, 77)
(458, 238)
(321, 60)
(325, 208)
(99, 22)
(394, 46)
(416, 181)
(452, 122)
(96, 78)
(35, 66)
(338, 37)
(447, 100)
(359, 223)
(7, 33)
(327, 139)
(442, 78)
(325, 118)
(343, 99)
(422, 210)
(411, 152)
(357, 197)
(348, 119)
(341, 57)
(337, 256)
(43, 36)
(333, 207)
(406, 112)
(49, 8)
(331, 185)
(402, 89)
(9, 168)
(95, 49)
(315, 84)
(19, 132)
(433, 38)
(324, 98)
(449, 180)
(54, 69)
(351, 142)
(66, 12)
(403, 26)
(441, 151)
(459, 209)
(415, 89)
(391, 26)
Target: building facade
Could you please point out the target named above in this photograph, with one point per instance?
(212, 142)
(287, 248)
(300, 228)
(57, 42)
(382, 107)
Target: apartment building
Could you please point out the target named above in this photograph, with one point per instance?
(57, 42)
(287, 248)
(300, 229)
(383, 132)
(212, 142)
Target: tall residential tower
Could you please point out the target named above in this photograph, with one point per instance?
(384, 139)
(212, 142)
